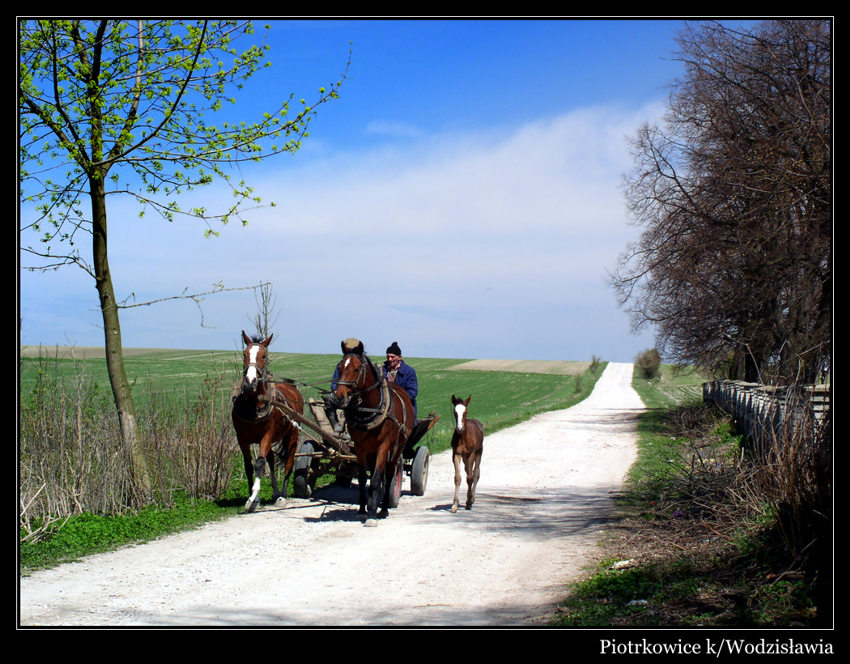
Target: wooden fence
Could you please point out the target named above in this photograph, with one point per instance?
(760, 409)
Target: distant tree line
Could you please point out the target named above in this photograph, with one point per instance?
(733, 193)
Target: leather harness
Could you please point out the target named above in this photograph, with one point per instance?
(365, 418)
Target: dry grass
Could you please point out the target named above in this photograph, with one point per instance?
(71, 460)
(704, 572)
(702, 545)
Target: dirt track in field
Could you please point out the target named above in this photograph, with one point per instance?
(543, 501)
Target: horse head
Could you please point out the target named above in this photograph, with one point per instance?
(353, 370)
(460, 408)
(254, 362)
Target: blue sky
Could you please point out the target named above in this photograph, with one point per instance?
(462, 197)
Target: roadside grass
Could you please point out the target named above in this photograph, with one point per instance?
(687, 547)
(500, 399)
(85, 534)
(160, 379)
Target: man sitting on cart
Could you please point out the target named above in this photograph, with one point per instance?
(402, 374)
(396, 370)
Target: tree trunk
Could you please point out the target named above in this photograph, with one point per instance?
(112, 335)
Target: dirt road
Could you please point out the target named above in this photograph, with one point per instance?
(543, 500)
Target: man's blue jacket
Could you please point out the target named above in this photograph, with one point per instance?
(406, 379)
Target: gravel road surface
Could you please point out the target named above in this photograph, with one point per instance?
(542, 504)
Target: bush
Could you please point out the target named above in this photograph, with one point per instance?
(72, 462)
(648, 363)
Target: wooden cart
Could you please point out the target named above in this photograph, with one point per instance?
(322, 451)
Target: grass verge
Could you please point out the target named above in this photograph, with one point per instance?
(85, 534)
(689, 548)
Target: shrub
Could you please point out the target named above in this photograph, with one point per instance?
(72, 462)
(648, 363)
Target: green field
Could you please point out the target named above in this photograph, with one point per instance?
(674, 385)
(169, 381)
(500, 398)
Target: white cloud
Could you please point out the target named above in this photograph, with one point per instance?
(519, 225)
(562, 172)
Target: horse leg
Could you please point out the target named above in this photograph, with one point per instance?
(389, 478)
(477, 470)
(275, 489)
(456, 461)
(376, 490)
(251, 503)
(254, 481)
(288, 464)
(361, 481)
(472, 473)
(263, 457)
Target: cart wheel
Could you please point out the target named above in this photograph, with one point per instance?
(302, 483)
(395, 487)
(419, 472)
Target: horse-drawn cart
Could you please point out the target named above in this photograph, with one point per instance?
(323, 451)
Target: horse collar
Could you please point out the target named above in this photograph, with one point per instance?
(249, 412)
(360, 416)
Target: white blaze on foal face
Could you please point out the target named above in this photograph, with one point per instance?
(460, 411)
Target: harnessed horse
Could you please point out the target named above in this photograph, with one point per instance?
(258, 421)
(380, 418)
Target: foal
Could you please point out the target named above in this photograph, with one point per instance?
(467, 444)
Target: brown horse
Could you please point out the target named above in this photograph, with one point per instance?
(380, 417)
(467, 444)
(258, 421)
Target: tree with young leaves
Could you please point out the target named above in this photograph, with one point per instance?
(734, 195)
(111, 107)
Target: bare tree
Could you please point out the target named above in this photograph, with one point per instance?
(266, 316)
(733, 266)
